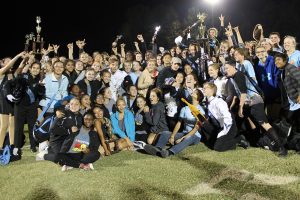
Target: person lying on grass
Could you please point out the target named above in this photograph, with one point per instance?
(80, 149)
(179, 140)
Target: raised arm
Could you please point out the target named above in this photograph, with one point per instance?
(11, 63)
(70, 51)
(238, 34)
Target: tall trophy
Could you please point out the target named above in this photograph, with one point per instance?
(202, 27)
(33, 41)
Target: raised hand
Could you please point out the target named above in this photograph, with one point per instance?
(50, 48)
(236, 29)
(122, 45)
(221, 18)
(55, 47)
(70, 46)
(44, 51)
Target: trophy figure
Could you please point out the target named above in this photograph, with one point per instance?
(202, 27)
(27, 37)
(38, 28)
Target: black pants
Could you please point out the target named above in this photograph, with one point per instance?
(75, 159)
(228, 141)
(22, 115)
(54, 149)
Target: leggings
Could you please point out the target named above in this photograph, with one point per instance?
(75, 159)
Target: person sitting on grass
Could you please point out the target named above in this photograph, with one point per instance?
(80, 149)
(155, 116)
(103, 127)
(68, 121)
(180, 140)
(123, 125)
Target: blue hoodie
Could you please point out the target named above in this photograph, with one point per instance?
(129, 125)
(267, 77)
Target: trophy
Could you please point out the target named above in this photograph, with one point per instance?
(202, 27)
(38, 28)
(35, 39)
(157, 28)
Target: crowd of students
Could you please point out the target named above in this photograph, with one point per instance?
(219, 91)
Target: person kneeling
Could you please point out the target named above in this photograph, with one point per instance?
(80, 149)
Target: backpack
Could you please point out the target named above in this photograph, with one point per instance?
(5, 156)
(41, 132)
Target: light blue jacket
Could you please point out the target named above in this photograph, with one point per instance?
(52, 87)
(129, 125)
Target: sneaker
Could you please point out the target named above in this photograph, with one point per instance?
(152, 150)
(91, 166)
(40, 156)
(87, 167)
(282, 152)
(165, 153)
(243, 142)
(66, 168)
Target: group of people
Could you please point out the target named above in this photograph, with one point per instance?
(219, 91)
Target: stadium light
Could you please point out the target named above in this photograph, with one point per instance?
(212, 2)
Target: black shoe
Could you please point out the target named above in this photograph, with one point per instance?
(243, 142)
(282, 152)
(152, 150)
(33, 150)
(165, 153)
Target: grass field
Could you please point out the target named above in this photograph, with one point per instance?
(196, 173)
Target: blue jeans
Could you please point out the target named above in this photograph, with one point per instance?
(165, 136)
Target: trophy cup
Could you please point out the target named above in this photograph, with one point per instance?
(202, 27)
(157, 28)
(38, 28)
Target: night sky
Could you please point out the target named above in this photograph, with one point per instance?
(62, 23)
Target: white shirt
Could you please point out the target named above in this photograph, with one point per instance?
(219, 109)
(220, 83)
(115, 82)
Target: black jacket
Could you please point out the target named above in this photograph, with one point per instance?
(62, 126)
(19, 85)
(156, 118)
(95, 87)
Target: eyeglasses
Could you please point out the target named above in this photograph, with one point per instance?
(260, 51)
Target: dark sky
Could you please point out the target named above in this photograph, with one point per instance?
(62, 23)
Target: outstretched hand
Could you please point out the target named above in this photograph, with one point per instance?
(221, 18)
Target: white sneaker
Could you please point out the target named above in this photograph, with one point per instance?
(91, 166)
(40, 156)
(66, 168)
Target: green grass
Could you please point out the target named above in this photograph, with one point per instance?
(133, 175)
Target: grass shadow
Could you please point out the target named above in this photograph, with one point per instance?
(243, 187)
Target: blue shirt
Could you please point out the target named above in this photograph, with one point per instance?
(247, 68)
(189, 120)
(295, 58)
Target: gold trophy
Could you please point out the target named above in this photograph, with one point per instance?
(202, 27)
